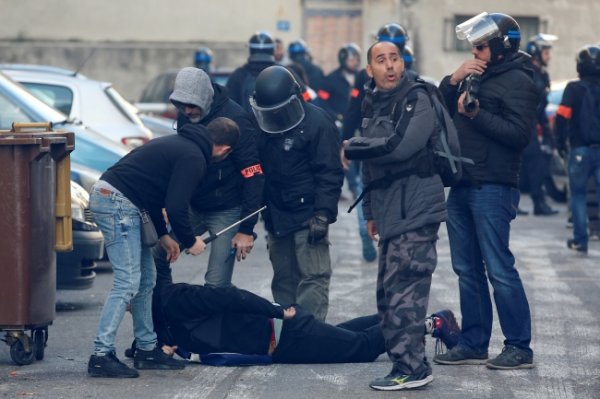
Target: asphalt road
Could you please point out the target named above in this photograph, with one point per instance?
(563, 291)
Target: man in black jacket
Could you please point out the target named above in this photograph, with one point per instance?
(537, 155)
(160, 174)
(578, 123)
(232, 188)
(240, 84)
(493, 131)
(211, 320)
(299, 151)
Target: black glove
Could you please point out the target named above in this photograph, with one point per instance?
(318, 226)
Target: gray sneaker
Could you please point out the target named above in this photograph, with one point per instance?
(395, 381)
(511, 358)
(460, 355)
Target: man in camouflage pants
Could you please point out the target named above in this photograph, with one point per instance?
(404, 204)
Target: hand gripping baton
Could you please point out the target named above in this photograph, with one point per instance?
(213, 237)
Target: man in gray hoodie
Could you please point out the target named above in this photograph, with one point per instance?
(232, 187)
(404, 205)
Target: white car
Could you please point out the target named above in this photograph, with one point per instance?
(97, 104)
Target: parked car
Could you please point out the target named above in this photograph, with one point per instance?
(97, 104)
(75, 269)
(155, 97)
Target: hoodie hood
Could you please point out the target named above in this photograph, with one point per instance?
(192, 86)
(219, 100)
(199, 135)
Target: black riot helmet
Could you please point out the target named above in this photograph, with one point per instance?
(202, 58)
(262, 47)
(588, 61)
(394, 33)
(348, 50)
(500, 31)
(538, 43)
(276, 102)
(408, 56)
(297, 50)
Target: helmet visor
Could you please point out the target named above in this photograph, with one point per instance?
(478, 30)
(279, 118)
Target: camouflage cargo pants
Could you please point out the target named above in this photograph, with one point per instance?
(406, 264)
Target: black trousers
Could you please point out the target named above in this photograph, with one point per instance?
(305, 339)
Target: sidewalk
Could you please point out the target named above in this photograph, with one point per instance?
(563, 291)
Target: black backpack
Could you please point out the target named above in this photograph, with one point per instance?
(444, 143)
(588, 118)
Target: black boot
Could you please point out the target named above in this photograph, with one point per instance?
(543, 209)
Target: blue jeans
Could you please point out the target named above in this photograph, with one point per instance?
(479, 229)
(221, 260)
(134, 274)
(583, 163)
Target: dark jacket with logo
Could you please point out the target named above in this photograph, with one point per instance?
(164, 174)
(495, 138)
(238, 179)
(303, 172)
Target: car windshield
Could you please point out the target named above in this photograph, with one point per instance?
(27, 104)
(128, 110)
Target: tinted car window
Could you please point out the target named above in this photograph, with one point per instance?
(58, 97)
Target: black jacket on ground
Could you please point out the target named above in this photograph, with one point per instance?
(303, 172)
(164, 174)
(238, 179)
(213, 319)
(240, 85)
(495, 138)
(567, 115)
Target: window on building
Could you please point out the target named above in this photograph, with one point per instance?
(529, 27)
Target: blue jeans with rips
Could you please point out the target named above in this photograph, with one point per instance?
(583, 163)
(134, 275)
(478, 230)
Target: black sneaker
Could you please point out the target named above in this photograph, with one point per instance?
(460, 355)
(571, 244)
(511, 358)
(395, 381)
(108, 366)
(155, 359)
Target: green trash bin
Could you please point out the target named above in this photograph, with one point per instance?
(32, 182)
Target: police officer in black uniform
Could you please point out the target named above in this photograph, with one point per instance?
(536, 156)
(240, 84)
(298, 52)
(299, 151)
